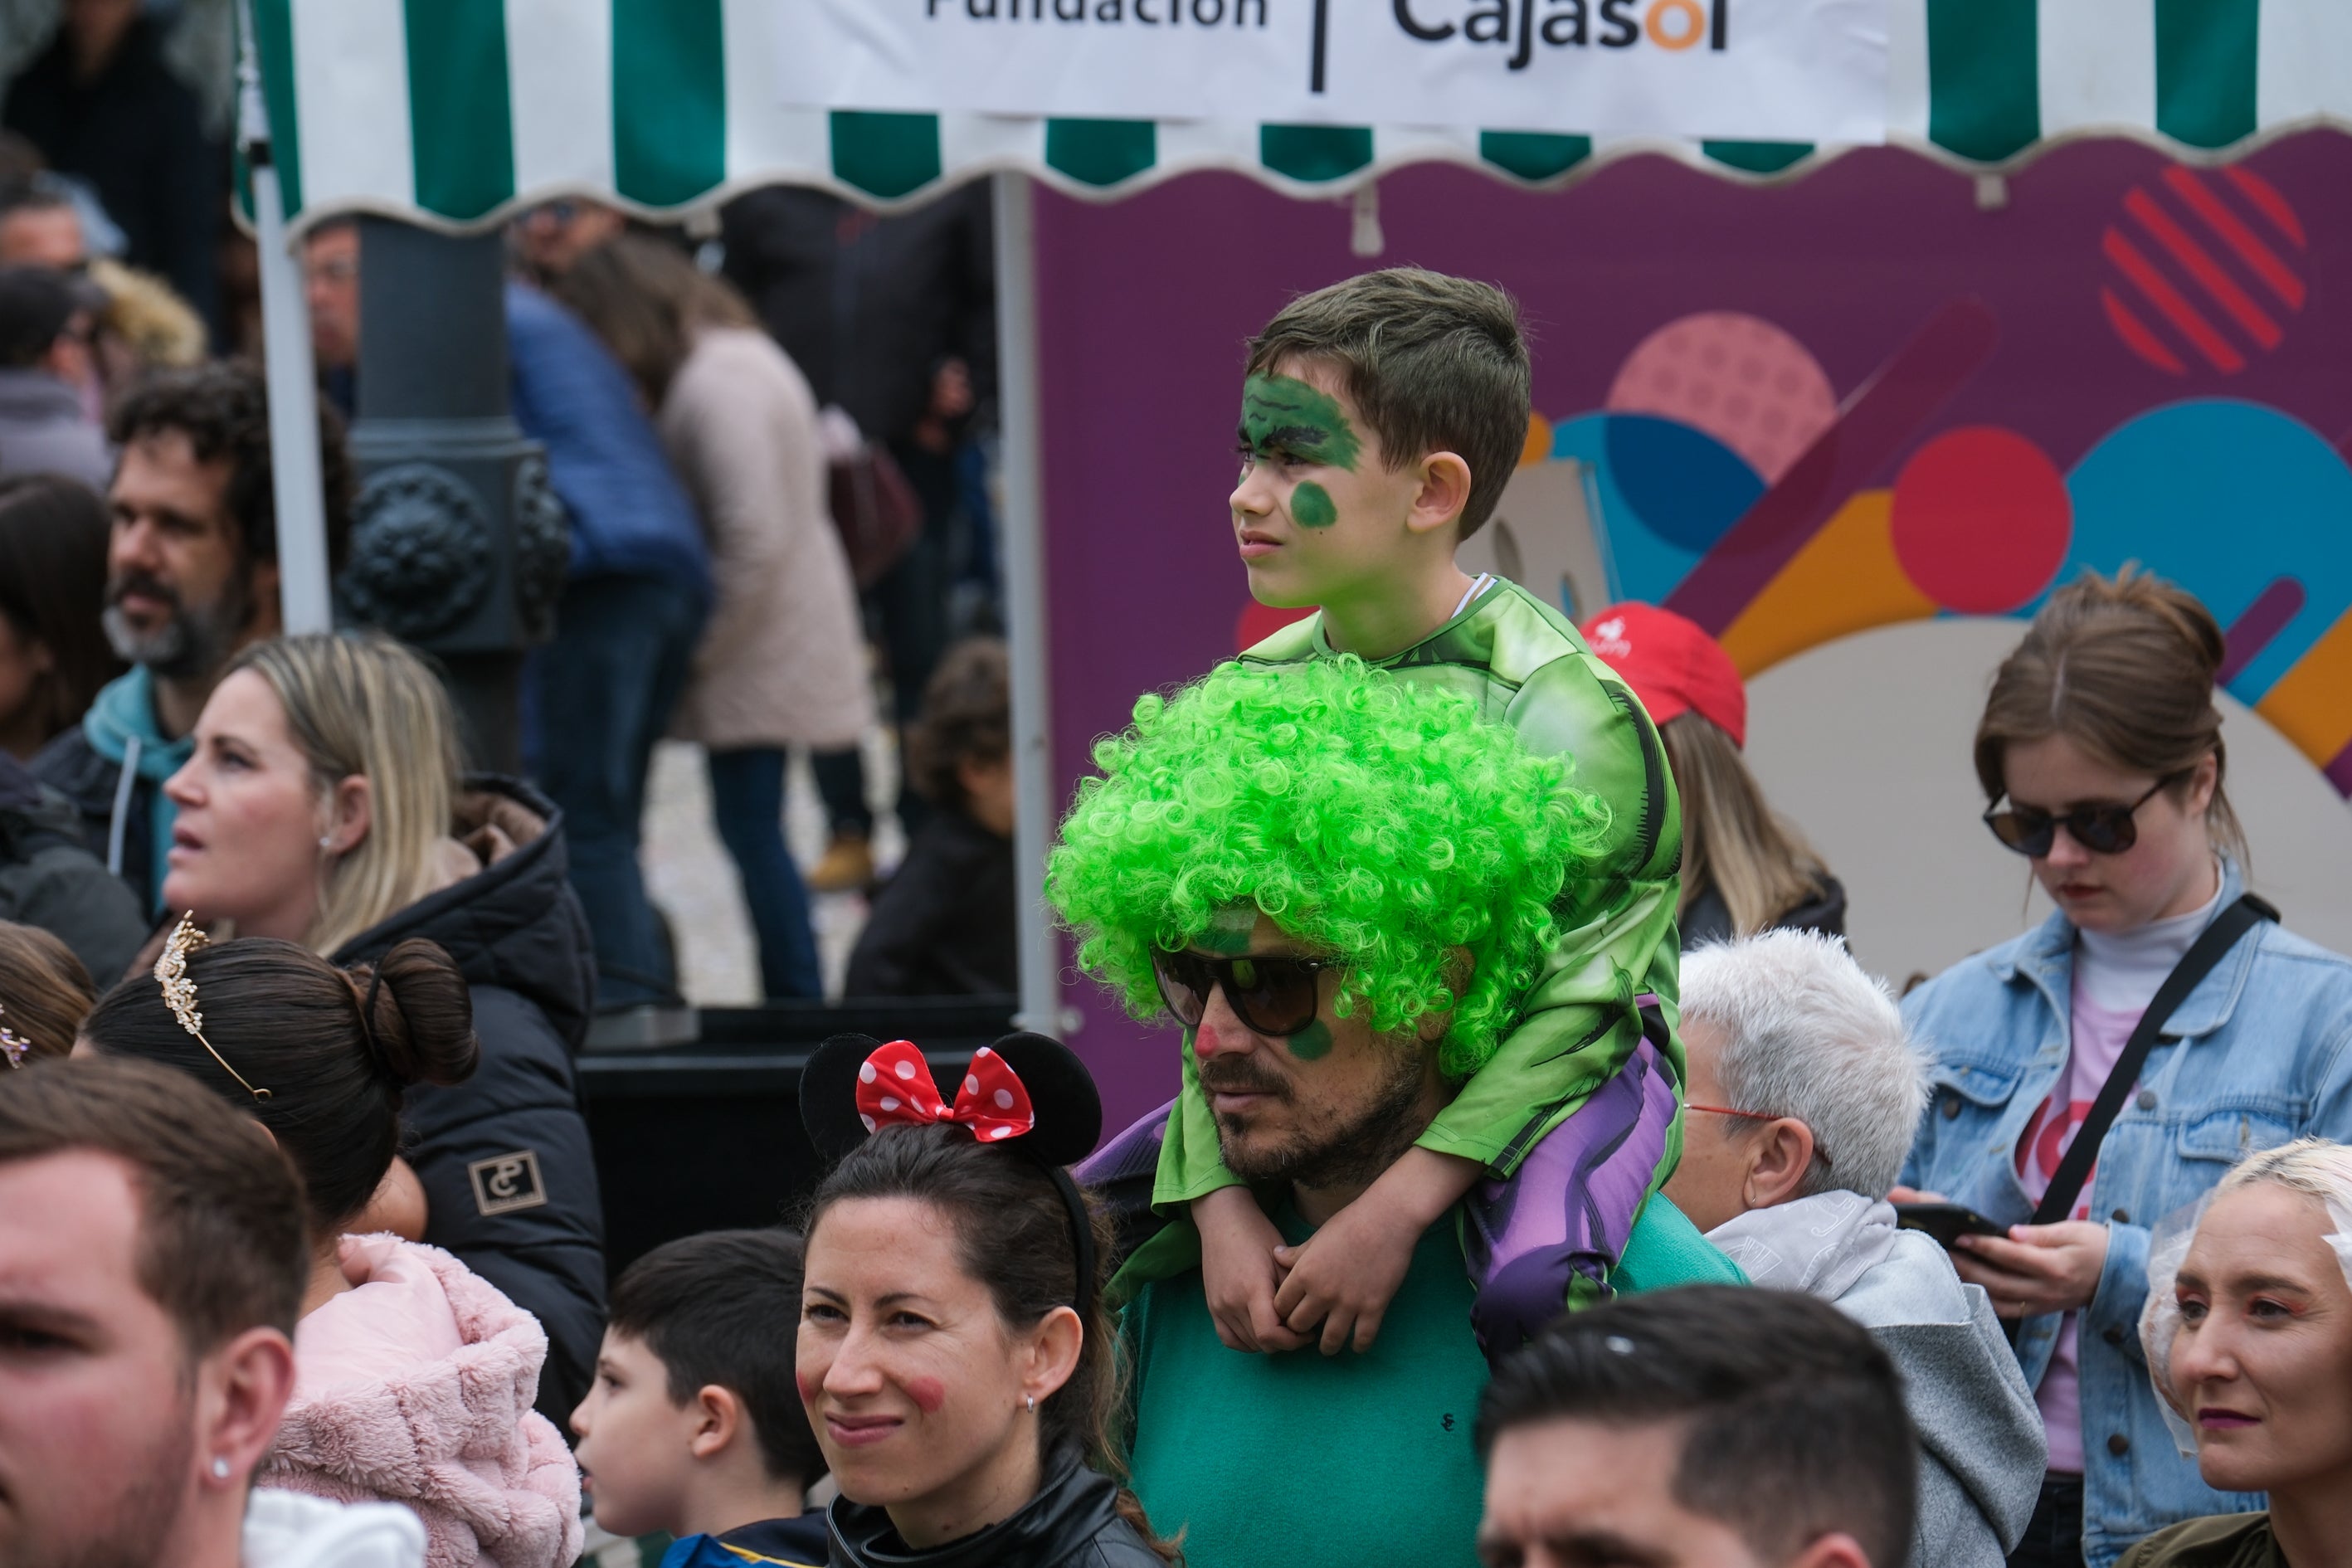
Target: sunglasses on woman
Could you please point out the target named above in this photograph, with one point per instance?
(2103, 828)
(1270, 995)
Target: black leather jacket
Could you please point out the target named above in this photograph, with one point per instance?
(1072, 1522)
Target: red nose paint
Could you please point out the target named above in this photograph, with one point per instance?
(927, 1392)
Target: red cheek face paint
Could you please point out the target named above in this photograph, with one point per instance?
(802, 1381)
(927, 1392)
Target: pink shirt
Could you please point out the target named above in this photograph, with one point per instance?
(2115, 977)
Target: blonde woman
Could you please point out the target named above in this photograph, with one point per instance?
(2249, 1341)
(1745, 868)
(322, 804)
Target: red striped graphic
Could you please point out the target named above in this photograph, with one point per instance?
(2247, 245)
(2201, 265)
(2170, 303)
(2137, 335)
(2266, 201)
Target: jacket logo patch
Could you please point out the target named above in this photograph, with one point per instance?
(504, 1183)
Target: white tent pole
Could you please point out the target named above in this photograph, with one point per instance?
(1025, 599)
(305, 602)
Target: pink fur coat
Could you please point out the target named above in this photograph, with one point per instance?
(415, 1387)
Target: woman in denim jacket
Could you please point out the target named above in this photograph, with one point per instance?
(2101, 732)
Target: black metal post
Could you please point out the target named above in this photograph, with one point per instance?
(457, 544)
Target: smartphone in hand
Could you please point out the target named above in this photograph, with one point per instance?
(1946, 1222)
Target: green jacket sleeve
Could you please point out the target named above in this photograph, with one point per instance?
(1617, 938)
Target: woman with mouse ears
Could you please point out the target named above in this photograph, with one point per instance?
(2105, 1070)
(955, 1355)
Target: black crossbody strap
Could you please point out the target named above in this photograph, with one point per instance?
(2074, 1170)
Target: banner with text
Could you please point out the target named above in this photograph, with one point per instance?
(1771, 71)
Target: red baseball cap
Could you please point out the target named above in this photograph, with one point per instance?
(1672, 665)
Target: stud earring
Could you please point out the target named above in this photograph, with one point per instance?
(326, 841)
(220, 1469)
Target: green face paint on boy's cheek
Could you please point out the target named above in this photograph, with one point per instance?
(1311, 1043)
(1311, 506)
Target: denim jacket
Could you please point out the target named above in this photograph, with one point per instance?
(2260, 1058)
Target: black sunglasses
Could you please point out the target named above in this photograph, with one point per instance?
(1270, 995)
(2105, 829)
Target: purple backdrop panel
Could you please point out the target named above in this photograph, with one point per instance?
(1144, 305)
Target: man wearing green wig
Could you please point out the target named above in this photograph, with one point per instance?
(1344, 884)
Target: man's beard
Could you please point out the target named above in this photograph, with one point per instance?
(192, 643)
(137, 1520)
(1338, 1153)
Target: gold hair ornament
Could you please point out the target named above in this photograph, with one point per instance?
(180, 993)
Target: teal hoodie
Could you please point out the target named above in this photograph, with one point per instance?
(120, 727)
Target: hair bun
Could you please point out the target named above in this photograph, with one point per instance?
(419, 1014)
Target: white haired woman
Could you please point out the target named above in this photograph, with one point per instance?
(1804, 1087)
(2249, 1343)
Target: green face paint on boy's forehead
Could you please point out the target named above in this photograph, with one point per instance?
(1282, 413)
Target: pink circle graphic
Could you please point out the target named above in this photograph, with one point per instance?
(1738, 377)
(1982, 520)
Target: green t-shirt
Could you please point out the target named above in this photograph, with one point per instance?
(1303, 1460)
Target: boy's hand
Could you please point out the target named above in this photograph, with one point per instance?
(1238, 1272)
(1346, 1282)
(1344, 1275)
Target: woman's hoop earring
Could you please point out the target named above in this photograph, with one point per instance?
(1031, 1400)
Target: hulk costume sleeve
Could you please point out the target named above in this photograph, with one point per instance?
(1527, 666)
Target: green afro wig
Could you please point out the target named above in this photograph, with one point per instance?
(1375, 817)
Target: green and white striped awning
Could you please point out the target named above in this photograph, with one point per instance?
(454, 112)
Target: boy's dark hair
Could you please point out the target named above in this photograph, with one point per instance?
(1435, 363)
(722, 1308)
(223, 408)
(1795, 1420)
(967, 712)
(221, 1245)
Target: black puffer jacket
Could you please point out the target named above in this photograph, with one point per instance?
(1072, 1522)
(47, 880)
(503, 1157)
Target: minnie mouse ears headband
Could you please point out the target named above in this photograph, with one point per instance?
(1026, 1091)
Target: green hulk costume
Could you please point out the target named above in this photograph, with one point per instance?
(1524, 665)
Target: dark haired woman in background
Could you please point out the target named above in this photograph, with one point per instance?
(53, 655)
(413, 1377)
(955, 1356)
(2101, 757)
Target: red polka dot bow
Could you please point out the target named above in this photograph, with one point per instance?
(895, 1088)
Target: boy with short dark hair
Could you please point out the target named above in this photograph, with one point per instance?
(695, 1427)
(1382, 419)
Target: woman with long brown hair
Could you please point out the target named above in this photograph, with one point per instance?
(782, 662)
(2158, 1018)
